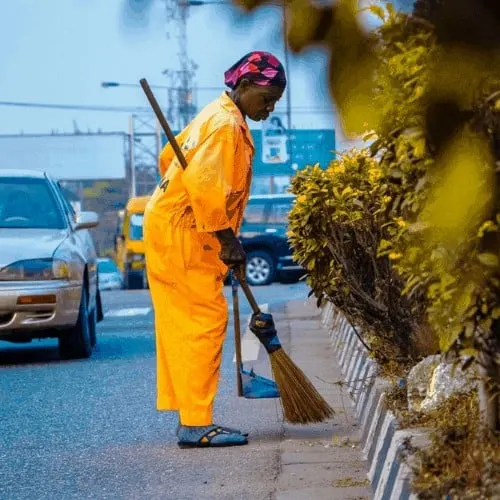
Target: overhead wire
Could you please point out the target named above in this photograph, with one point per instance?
(134, 109)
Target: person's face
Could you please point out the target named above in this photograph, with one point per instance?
(256, 101)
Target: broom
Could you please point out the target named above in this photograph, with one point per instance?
(301, 402)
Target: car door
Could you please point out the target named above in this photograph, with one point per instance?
(84, 245)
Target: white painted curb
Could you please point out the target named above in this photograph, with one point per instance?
(381, 441)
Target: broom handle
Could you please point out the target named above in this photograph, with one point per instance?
(163, 122)
(182, 160)
(237, 332)
(248, 293)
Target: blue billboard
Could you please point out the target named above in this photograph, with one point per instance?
(303, 148)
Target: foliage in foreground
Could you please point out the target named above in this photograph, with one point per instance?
(403, 238)
(410, 217)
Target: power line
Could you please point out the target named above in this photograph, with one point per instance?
(137, 109)
(119, 109)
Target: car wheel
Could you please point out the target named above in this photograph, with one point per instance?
(76, 343)
(260, 268)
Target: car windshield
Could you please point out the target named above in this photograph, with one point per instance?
(135, 231)
(106, 266)
(28, 203)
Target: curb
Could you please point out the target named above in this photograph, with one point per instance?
(382, 442)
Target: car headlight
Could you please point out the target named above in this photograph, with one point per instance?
(35, 270)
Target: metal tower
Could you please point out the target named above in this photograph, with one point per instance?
(182, 107)
(144, 147)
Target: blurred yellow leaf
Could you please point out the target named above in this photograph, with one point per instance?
(461, 198)
(488, 259)
(352, 67)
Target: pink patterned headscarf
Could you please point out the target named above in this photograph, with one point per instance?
(261, 68)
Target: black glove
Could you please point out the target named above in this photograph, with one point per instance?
(232, 253)
(262, 326)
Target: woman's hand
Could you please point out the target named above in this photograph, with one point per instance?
(232, 253)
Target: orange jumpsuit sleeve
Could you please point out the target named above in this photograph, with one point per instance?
(208, 178)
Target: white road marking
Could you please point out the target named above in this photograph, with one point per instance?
(133, 311)
(250, 345)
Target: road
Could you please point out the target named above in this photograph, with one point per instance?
(89, 429)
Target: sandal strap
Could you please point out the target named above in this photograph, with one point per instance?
(209, 435)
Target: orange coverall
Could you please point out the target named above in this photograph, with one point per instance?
(186, 276)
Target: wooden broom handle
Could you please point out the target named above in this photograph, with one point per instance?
(237, 332)
(248, 293)
(163, 122)
(182, 160)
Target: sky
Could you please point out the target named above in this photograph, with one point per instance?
(59, 51)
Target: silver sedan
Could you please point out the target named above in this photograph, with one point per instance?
(48, 265)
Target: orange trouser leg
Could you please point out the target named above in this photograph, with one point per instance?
(190, 319)
(166, 399)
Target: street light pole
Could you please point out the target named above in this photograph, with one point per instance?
(288, 86)
(287, 66)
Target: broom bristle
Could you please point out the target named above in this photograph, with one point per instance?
(301, 402)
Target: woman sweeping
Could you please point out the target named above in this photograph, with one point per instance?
(190, 229)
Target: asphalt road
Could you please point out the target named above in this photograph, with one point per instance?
(89, 429)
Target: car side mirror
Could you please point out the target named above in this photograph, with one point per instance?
(86, 220)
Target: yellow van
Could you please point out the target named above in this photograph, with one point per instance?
(129, 244)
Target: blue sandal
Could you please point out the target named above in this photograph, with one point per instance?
(214, 437)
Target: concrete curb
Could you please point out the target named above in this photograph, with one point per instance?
(382, 443)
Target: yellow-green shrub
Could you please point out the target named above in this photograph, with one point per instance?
(340, 218)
